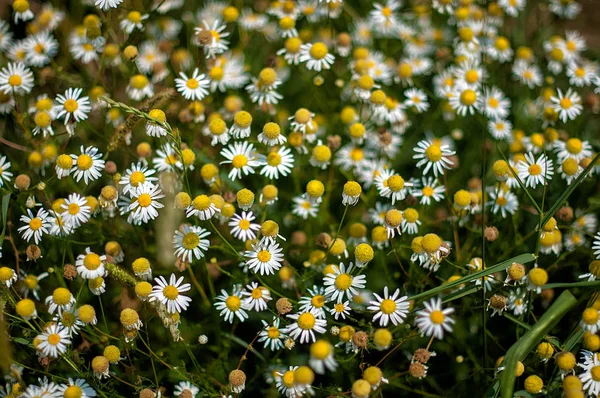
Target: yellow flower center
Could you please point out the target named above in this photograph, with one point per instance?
(427, 191)
(274, 159)
(263, 255)
(15, 80)
(434, 153)
(239, 161)
(216, 73)
(273, 332)
(190, 240)
(595, 372)
(73, 209)
(468, 97)
(92, 261)
(73, 392)
(84, 162)
(171, 292)
(244, 224)
(135, 17)
(31, 281)
(71, 105)
(566, 103)
(318, 301)
(574, 145)
(288, 379)
(318, 51)
(35, 224)
(387, 306)
(139, 81)
(437, 317)
(144, 200)
(54, 339)
(306, 321)
(471, 76)
(343, 281)
(192, 84)
(136, 178)
(535, 169)
(233, 303)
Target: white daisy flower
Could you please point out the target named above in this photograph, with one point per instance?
(315, 302)
(35, 226)
(88, 165)
(185, 388)
(106, 4)
(321, 357)
(139, 87)
(76, 211)
(391, 185)
(527, 74)
(16, 79)
(465, 100)
(278, 163)
(211, 38)
(78, 388)
(60, 300)
(494, 103)
(53, 341)
(500, 129)
(533, 172)
(166, 159)
(433, 321)
(271, 336)
(504, 202)
(304, 208)
(316, 56)
(231, 306)
(71, 106)
(170, 294)
(134, 20)
(243, 157)
(189, 242)
(591, 375)
(135, 175)
(256, 297)
(428, 189)
(434, 156)
(22, 12)
(263, 90)
(264, 259)
(201, 207)
(5, 175)
(194, 87)
(90, 265)
(284, 381)
(242, 227)
(389, 308)
(567, 105)
(340, 310)
(342, 283)
(304, 326)
(416, 98)
(145, 202)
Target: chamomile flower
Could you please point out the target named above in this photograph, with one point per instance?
(36, 226)
(231, 306)
(60, 300)
(16, 79)
(304, 208)
(243, 157)
(135, 175)
(201, 207)
(500, 129)
(527, 74)
(534, 172)
(88, 165)
(8, 276)
(145, 202)
(194, 87)
(465, 100)
(139, 87)
(304, 326)
(263, 90)
(590, 376)
(107, 4)
(76, 211)
(321, 357)
(72, 107)
(211, 38)
(264, 259)
(190, 242)
(271, 135)
(90, 265)
(170, 294)
(342, 283)
(291, 50)
(433, 320)
(134, 20)
(434, 156)
(428, 189)
(271, 335)
(5, 175)
(389, 308)
(278, 163)
(340, 310)
(315, 302)
(242, 227)
(53, 341)
(316, 56)
(494, 104)
(285, 383)
(567, 105)
(416, 99)
(256, 297)
(76, 388)
(504, 202)
(21, 10)
(391, 185)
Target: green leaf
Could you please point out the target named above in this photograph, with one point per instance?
(528, 341)
(563, 197)
(5, 202)
(522, 259)
(571, 285)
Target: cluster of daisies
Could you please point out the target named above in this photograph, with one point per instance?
(160, 162)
